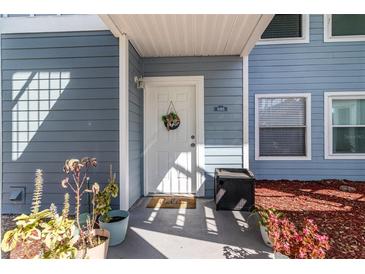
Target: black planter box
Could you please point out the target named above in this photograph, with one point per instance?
(234, 189)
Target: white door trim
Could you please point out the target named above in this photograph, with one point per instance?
(198, 82)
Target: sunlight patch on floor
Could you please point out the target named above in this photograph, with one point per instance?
(180, 218)
(173, 246)
(154, 213)
(240, 220)
(210, 221)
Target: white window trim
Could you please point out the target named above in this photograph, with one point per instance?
(308, 134)
(327, 32)
(328, 135)
(51, 23)
(297, 40)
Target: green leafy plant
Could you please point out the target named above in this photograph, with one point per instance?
(58, 235)
(264, 213)
(41, 234)
(103, 198)
(26, 232)
(27, 228)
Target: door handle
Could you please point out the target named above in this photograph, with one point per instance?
(192, 144)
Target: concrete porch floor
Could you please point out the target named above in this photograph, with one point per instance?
(201, 233)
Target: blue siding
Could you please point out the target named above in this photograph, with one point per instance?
(314, 68)
(223, 86)
(82, 122)
(135, 128)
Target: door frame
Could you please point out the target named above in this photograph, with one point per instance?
(198, 82)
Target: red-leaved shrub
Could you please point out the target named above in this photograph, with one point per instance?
(304, 243)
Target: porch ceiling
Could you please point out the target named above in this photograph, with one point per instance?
(157, 35)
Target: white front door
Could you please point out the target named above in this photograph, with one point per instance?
(170, 156)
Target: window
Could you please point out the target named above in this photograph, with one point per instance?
(344, 27)
(285, 29)
(345, 125)
(283, 130)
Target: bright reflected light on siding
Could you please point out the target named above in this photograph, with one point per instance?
(33, 94)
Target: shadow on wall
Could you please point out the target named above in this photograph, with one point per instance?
(48, 117)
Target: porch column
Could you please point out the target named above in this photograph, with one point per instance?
(245, 147)
(123, 123)
(1, 143)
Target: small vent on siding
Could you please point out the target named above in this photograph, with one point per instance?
(17, 194)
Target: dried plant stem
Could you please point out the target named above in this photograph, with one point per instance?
(77, 169)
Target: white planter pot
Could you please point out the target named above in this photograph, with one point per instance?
(97, 252)
(278, 255)
(265, 236)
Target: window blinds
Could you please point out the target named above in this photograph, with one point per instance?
(284, 26)
(282, 126)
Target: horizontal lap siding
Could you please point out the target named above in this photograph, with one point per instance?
(223, 86)
(82, 120)
(135, 128)
(314, 68)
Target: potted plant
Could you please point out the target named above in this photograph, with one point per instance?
(45, 234)
(290, 242)
(41, 234)
(93, 243)
(115, 221)
(263, 216)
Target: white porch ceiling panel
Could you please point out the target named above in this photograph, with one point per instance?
(157, 35)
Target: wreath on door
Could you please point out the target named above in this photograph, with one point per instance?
(171, 120)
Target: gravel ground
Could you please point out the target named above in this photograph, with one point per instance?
(339, 214)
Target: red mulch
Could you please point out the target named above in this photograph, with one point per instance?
(338, 214)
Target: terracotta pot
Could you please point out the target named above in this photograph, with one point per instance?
(265, 235)
(97, 252)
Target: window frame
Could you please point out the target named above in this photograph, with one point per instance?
(308, 133)
(297, 40)
(328, 128)
(327, 32)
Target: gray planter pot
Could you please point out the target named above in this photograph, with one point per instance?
(118, 230)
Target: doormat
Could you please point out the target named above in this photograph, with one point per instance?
(188, 202)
